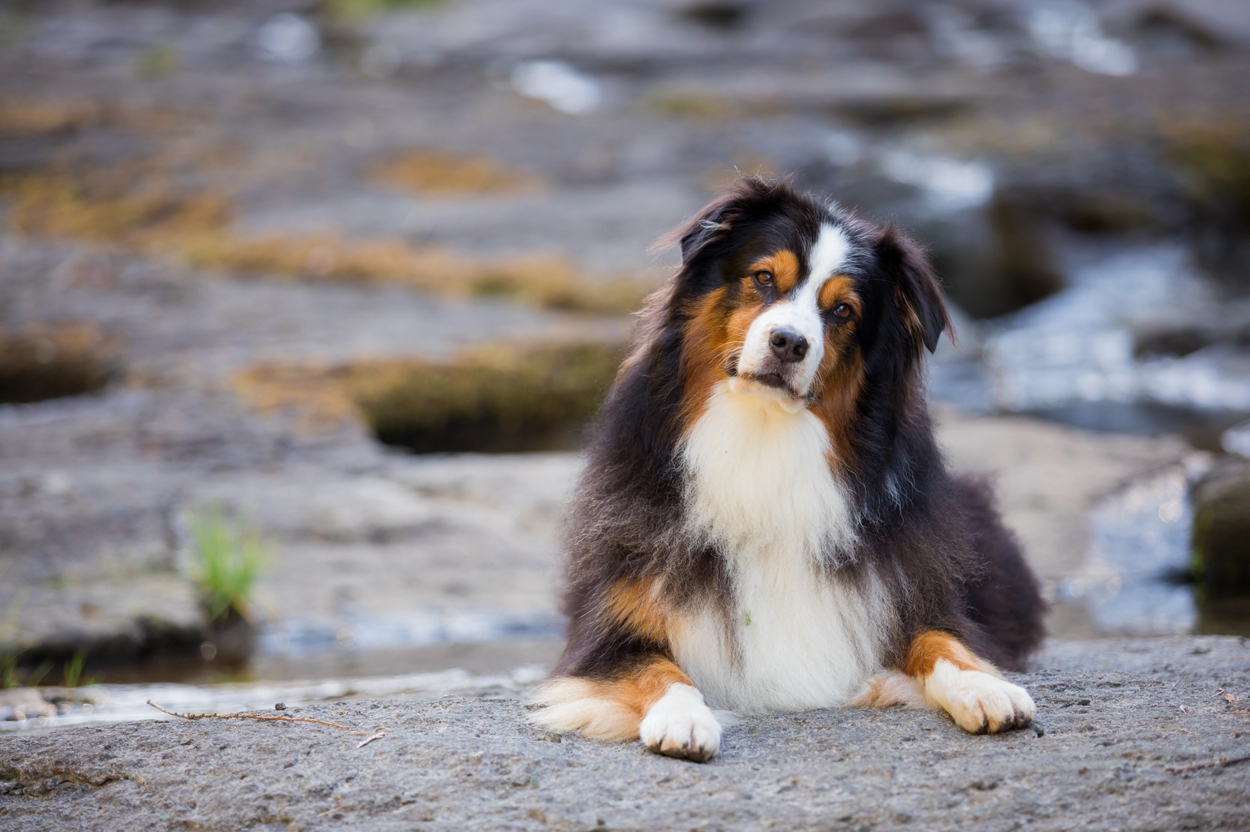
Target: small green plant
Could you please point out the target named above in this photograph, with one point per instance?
(8, 672)
(72, 672)
(228, 560)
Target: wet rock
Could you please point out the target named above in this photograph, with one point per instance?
(231, 640)
(51, 361)
(1213, 162)
(1221, 532)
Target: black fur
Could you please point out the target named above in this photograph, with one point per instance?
(935, 539)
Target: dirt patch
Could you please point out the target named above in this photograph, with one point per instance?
(498, 398)
(544, 281)
(25, 118)
(48, 362)
(145, 210)
(434, 173)
(126, 207)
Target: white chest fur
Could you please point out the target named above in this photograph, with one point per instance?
(760, 487)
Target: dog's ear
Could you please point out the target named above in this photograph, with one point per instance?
(917, 290)
(713, 223)
(707, 226)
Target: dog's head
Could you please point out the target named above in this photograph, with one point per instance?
(786, 297)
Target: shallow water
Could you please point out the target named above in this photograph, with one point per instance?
(1084, 356)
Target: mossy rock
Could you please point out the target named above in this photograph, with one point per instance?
(1220, 556)
(501, 398)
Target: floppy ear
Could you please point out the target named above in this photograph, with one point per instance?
(716, 218)
(917, 291)
(710, 225)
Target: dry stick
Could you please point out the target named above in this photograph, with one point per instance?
(330, 811)
(376, 736)
(1210, 764)
(256, 717)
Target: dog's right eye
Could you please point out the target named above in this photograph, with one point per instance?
(763, 278)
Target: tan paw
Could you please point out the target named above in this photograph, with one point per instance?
(681, 725)
(979, 702)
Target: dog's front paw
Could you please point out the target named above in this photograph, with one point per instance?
(680, 725)
(979, 702)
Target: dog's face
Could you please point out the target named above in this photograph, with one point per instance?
(787, 298)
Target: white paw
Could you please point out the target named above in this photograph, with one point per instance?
(679, 724)
(979, 702)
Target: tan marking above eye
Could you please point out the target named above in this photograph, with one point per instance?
(782, 265)
(838, 290)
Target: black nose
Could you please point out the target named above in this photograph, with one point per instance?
(788, 345)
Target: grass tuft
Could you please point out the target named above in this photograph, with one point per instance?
(228, 561)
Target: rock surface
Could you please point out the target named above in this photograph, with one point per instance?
(1135, 736)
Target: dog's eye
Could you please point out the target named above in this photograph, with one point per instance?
(763, 278)
(842, 311)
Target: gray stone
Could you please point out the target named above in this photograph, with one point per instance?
(1134, 737)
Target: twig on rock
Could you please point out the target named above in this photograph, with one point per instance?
(330, 811)
(379, 735)
(256, 717)
(1209, 764)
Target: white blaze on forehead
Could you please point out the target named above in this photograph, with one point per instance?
(828, 257)
(801, 313)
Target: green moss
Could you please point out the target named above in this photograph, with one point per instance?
(158, 61)
(494, 399)
(352, 11)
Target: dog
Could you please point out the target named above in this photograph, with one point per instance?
(765, 522)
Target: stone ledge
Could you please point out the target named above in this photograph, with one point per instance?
(1121, 717)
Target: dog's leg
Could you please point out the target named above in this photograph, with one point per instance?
(652, 699)
(967, 687)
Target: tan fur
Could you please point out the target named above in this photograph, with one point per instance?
(712, 336)
(840, 379)
(929, 647)
(783, 265)
(634, 605)
(839, 289)
(610, 710)
(939, 672)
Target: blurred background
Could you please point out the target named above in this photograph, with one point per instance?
(304, 306)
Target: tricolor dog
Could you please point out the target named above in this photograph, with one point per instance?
(765, 522)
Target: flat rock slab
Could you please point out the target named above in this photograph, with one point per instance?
(1137, 734)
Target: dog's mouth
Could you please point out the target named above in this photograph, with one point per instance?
(775, 383)
(773, 380)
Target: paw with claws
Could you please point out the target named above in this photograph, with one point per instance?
(980, 703)
(681, 725)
